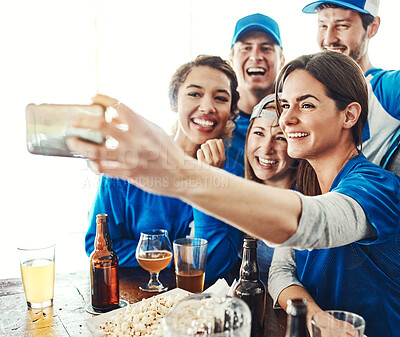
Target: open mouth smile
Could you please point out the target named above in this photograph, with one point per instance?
(297, 135)
(266, 162)
(256, 71)
(204, 123)
(337, 49)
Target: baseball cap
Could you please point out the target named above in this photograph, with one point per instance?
(257, 22)
(259, 111)
(362, 6)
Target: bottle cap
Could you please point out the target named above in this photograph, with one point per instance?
(101, 217)
(249, 242)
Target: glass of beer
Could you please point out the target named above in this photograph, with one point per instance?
(37, 271)
(190, 255)
(337, 323)
(154, 253)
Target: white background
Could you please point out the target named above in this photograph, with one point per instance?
(65, 51)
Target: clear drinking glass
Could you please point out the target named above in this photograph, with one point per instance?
(190, 255)
(154, 253)
(210, 315)
(335, 323)
(37, 271)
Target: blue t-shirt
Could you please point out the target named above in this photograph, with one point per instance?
(383, 115)
(362, 277)
(235, 152)
(224, 241)
(130, 211)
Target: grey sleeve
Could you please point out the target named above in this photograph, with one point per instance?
(330, 220)
(282, 273)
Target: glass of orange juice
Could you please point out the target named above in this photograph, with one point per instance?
(37, 271)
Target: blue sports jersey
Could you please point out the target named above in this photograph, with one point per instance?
(130, 211)
(235, 152)
(362, 277)
(224, 241)
(383, 115)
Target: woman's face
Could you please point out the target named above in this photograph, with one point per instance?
(267, 152)
(204, 104)
(310, 119)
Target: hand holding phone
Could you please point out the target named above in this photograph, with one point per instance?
(48, 126)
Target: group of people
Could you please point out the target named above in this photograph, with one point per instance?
(310, 138)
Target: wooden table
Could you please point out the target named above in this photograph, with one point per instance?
(71, 295)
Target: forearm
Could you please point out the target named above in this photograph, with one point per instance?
(268, 213)
(299, 292)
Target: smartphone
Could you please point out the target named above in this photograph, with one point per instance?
(48, 126)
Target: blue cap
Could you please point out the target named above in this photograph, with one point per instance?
(257, 22)
(362, 6)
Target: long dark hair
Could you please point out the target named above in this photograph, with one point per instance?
(344, 82)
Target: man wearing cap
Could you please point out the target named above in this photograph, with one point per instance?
(347, 26)
(256, 56)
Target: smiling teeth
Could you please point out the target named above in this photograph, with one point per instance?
(267, 161)
(256, 70)
(203, 122)
(297, 134)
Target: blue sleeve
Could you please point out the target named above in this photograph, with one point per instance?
(377, 192)
(385, 85)
(111, 199)
(223, 244)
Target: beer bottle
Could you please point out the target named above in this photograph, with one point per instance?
(250, 288)
(297, 318)
(104, 269)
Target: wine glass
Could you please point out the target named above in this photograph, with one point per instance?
(154, 253)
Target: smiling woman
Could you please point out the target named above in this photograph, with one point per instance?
(204, 94)
(338, 249)
(66, 51)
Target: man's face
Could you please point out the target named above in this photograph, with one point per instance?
(257, 59)
(342, 30)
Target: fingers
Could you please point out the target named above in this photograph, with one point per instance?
(105, 101)
(212, 152)
(125, 114)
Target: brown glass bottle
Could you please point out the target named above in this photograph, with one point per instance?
(297, 318)
(104, 269)
(250, 288)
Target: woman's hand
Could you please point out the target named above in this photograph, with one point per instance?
(335, 327)
(212, 152)
(145, 155)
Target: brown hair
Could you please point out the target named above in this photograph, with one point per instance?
(344, 82)
(366, 19)
(214, 62)
(248, 170)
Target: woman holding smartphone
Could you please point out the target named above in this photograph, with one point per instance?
(338, 237)
(203, 94)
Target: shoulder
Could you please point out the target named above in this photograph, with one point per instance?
(387, 79)
(364, 173)
(375, 189)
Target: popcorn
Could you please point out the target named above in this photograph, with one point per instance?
(141, 319)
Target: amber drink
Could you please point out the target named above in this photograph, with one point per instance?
(190, 255)
(154, 253)
(104, 278)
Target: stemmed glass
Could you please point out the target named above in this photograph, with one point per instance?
(154, 253)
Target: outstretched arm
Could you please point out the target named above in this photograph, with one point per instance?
(145, 151)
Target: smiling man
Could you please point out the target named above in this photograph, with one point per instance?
(256, 56)
(347, 26)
